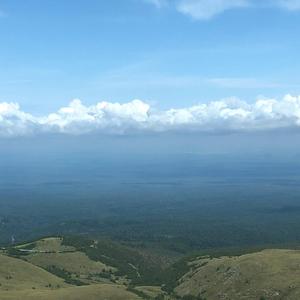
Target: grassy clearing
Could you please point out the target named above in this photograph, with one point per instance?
(150, 291)
(77, 263)
(52, 244)
(75, 267)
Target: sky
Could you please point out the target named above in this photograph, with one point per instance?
(148, 65)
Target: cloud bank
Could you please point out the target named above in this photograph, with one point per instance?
(138, 117)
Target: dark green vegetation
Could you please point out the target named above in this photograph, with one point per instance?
(67, 276)
(129, 262)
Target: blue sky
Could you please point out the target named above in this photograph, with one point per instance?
(157, 51)
(141, 66)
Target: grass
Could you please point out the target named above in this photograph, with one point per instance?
(20, 275)
(76, 263)
(64, 261)
(269, 274)
(92, 292)
(51, 244)
(150, 291)
(23, 280)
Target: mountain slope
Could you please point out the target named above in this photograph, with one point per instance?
(22, 280)
(16, 274)
(92, 292)
(269, 274)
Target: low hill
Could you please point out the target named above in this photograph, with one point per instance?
(71, 268)
(23, 280)
(65, 261)
(269, 274)
(92, 292)
(16, 274)
(80, 260)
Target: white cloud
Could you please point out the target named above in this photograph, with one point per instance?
(292, 5)
(157, 3)
(206, 9)
(138, 117)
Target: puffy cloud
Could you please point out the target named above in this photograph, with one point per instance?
(206, 9)
(15, 122)
(138, 117)
(104, 116)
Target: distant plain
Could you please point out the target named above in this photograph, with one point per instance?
(177, 203)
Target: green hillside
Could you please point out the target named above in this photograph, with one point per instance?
(92, 292)
(269, 274)
(16, 274)
(23, 280)
(79, 268)
(65, 261)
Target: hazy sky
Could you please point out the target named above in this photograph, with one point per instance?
(166, 53)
